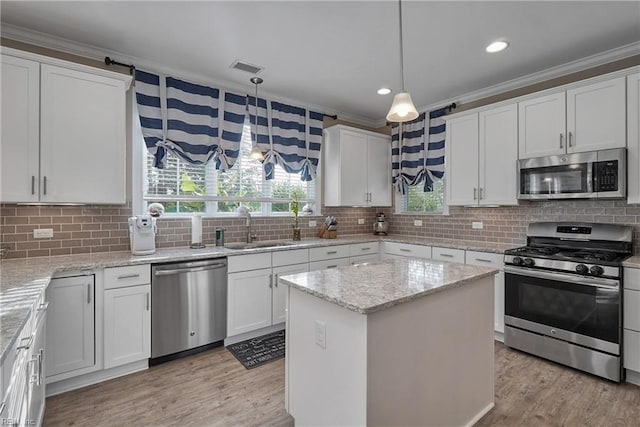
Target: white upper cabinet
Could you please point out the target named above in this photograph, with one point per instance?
(633, 135)
(19, 143)
(63, 131)
(587, 118)
(357, 167)
(542, 126)
(481, 155)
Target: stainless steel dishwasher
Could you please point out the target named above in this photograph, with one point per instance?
(189, 307)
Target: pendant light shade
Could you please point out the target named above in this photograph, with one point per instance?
(256, 153)
(402, 108)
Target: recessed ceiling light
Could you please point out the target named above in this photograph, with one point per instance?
(497, 46)
(384, 91)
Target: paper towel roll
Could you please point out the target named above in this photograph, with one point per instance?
(196, 229)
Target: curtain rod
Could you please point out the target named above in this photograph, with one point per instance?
(110, 61)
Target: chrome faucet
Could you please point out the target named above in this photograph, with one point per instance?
(243, 211)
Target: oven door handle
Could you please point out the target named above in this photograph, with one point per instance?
(561, 277)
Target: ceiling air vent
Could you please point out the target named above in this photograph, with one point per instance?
(246, 67)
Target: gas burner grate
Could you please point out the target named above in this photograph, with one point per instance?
(594, 256)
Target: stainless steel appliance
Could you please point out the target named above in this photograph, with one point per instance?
(380, 226)
(563, 295)
(594, 174)
(189, 307)
(142, 234)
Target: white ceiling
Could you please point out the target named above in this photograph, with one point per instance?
(337, 54)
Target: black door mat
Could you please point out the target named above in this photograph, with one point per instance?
(258, 351)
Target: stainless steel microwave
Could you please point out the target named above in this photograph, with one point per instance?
(590, 175)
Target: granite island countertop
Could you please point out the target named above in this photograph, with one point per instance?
(633, 262)
(370, 287)
(22, 280)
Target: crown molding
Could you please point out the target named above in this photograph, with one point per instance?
(582, 64)
(92, 52)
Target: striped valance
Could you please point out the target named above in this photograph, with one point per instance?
(196, 123)
(418, 157)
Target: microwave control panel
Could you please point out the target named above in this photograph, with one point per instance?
(606, 176)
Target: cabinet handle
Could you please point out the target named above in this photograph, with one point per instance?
(33, 184)
(475, 194)
(480, 191)
(483, 260)
(405, 250)
(45, 185)
(569, 138)
(446, 255)
(128, 276)
(332, 266)
(88, 293)
(561, 146)
(332, 252)
(271, 281)
(40, 359)
(148, 298)
(365, 249)
(275, 280)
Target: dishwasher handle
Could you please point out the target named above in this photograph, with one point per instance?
(173, 271)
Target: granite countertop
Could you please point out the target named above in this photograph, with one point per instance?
(367, 288)
(22, 280)
(633, 262)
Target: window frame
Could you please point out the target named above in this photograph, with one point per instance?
(400, 200)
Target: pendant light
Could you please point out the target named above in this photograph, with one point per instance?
(256, 153)
(402, 108)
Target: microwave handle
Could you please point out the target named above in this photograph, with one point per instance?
(561, 145)
(591, 177)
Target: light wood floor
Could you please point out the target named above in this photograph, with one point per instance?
(214, 389)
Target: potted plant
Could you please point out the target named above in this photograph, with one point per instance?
(295, 209)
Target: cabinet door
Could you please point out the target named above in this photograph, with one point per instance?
(127, 325)
(280, 291)
(379, 171)
(20, 130)
(353, 169)
(248, 301)
(461, 161)
(83, 137)
(498, 156)
(596, 116)
(631, 341)
(633, 137)
(70, 324)
(541, 126)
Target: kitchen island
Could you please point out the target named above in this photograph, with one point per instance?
(398, 342)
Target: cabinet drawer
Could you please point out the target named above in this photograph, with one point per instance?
(484, 259)
(121, 277)
(632, 350)
(295, 256)
(407, 250)
(448, 254)
(328, 252)
(631, 310)
(328, 263)
(358, 249)
(632, 278)
(248, 262)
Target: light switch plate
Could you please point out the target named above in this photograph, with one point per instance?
(417, 222)
(321, 334)
(42, 233)
(360, 221)
(477, 225)
(313, 223)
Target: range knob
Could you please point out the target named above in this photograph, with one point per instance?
(517, 260)
(582, 269)
(528, 262)
(596, 270)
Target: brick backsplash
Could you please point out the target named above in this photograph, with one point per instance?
(87, 229)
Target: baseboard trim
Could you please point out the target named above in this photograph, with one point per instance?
(74, 383)
(498, 336)
(248, 335)
(480, 414)
(633, 377)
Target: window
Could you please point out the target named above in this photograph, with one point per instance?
(417, 201)
(183, 188)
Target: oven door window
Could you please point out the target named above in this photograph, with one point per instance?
(586, 310)
(565, 179)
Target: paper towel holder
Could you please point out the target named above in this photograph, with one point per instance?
(196, 232)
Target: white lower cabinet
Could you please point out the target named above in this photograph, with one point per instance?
(447, 254)
(400, 250)
(631, 319)
(487, 259)
(279, 294)
(328, 263)
(127, 325)
(70, 324)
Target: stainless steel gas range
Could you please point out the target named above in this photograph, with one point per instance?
(563, 295)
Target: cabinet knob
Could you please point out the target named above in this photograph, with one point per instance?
(192, 333)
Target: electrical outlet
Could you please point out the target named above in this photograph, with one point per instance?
(477, 225)
(313, 223)
(417, 222)
(321, 334)
(360, 221)
(42, 233)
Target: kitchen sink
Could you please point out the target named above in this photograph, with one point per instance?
(255, 245)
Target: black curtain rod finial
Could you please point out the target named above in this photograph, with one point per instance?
(110, 61)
